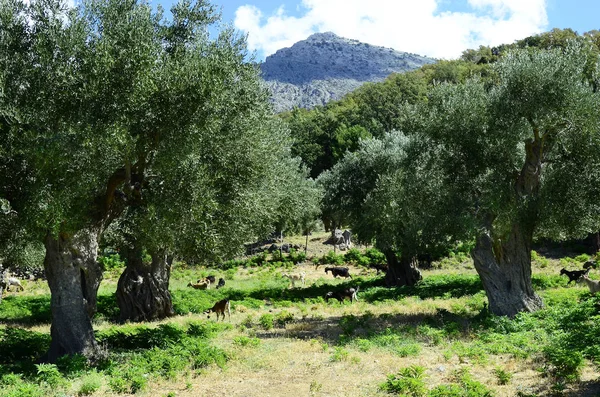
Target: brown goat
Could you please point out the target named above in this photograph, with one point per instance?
(220, 308)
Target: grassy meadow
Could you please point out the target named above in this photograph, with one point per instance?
(434, 339)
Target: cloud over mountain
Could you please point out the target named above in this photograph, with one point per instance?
(427, 27)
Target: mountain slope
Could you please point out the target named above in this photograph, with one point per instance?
(325, 67)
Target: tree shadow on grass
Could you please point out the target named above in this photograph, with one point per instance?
(344, 329)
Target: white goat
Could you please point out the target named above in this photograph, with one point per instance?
(295, 277)
(593, 285)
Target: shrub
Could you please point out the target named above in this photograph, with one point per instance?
(266, 321)
(331, 258)
(375, 256)
(90, 384)
(339, 354)
(352, 255)
(283, 318)
(566, 362)
(50, 375)
(502, 376)
(296, 257)
(408, 382)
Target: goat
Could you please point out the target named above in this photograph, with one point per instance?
(198, 285)
(212, 279)
(574, 275)
(593, 285)
(295, 277)
(350, 293)
(220, 308)
(379, 268)
(221, 283)
(338, 271)
(204, 280)
(591, 264)
(13, 281)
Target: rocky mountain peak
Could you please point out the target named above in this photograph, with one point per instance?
(325, 67)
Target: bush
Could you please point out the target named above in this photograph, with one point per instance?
(375, 256)
(266, 321)
(408, 382)
(331, 258)
(90, 384)
(353, 255)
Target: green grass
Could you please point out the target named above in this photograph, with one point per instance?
(445, 312)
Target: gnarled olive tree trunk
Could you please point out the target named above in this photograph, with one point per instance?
(73, 277)
(504, 265)
(505, 272)
(143, 289)
(400, 272)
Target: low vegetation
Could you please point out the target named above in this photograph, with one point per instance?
(432, 339)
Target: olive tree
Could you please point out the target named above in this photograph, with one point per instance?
(111, 112)
(498, 161)
(393, 201)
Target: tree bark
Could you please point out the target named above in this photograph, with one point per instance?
(73, 276)
(505, 271)
(400, 272)
(504, 264)
(143, 289)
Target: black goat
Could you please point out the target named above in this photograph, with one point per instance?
(338, 271)
(211, 279)
(350, 293)
(221, 283)
(574, 275)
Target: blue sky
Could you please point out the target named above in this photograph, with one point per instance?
(437, 28)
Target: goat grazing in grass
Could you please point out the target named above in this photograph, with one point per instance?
(338, 271)
(295, 277)
(210, 278)
(14, 281)
(574, 275)
(205, 280)
(200, 285)
(221, 283)
(350, 293)
(220, 308)
(593, 285)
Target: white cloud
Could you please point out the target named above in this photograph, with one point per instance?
(418, 26)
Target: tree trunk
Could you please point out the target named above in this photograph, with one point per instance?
(400, 272)
(143, 289)
(504, 264)
(505, 272)
(73, 276)
(306, 246)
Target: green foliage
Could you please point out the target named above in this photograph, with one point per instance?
(111, 262)
(90, 383)
(246, 341)
(502, 376)
(331, 258)
(339, 354)
(266, 321)
(283, 317)
(409, 382)
(49, 374)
